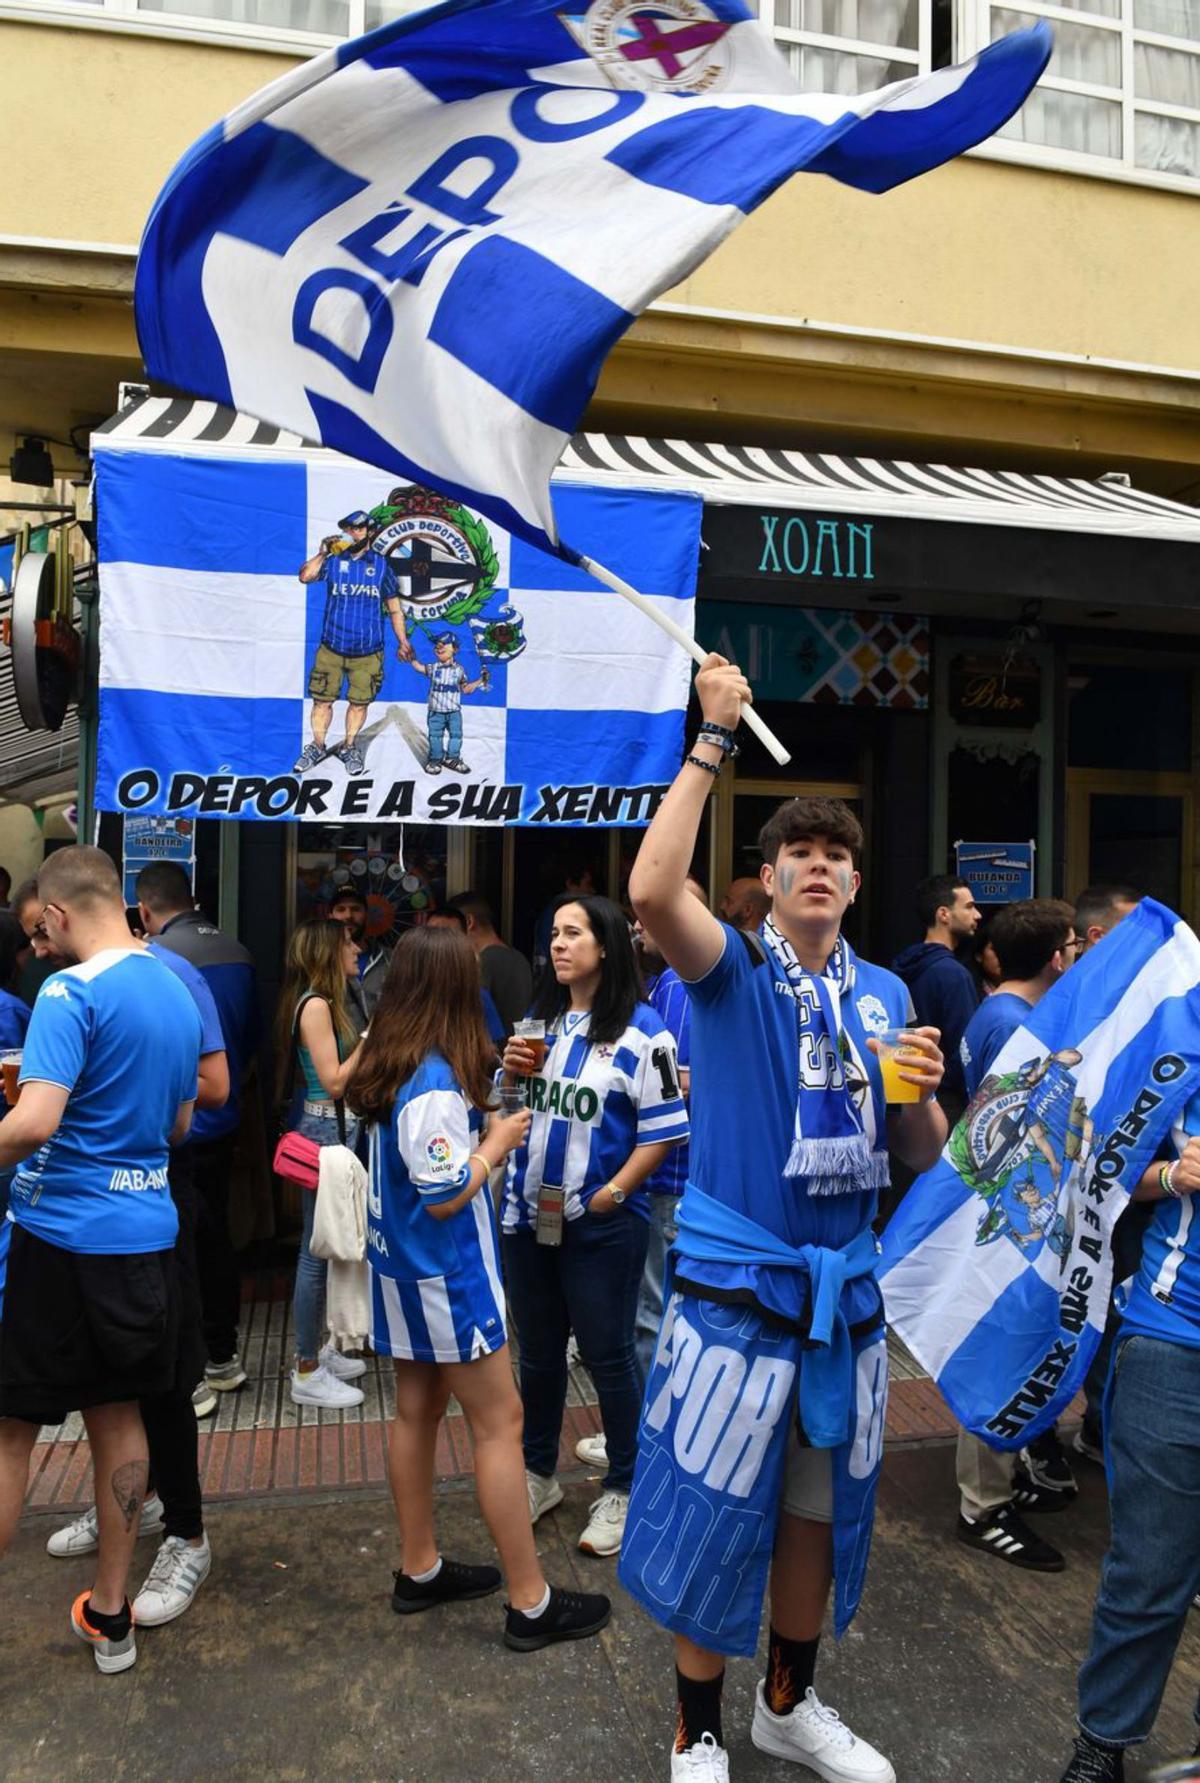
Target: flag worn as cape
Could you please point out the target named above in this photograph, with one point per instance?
(418, 248)
(997, 1267)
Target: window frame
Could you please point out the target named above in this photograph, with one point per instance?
(972, 34)
(919, 60)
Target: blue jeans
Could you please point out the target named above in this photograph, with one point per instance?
(308, 1297)
(445, 734)
(589, 1284)
(1152, 1569)
(664, 1212)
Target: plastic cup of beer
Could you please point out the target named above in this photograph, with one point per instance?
(10, 1064)
(533, 1035)
(893, 1057)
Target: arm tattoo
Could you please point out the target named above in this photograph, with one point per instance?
(129, 1488)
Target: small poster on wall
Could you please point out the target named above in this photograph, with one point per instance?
(997, 872)
(156, 839)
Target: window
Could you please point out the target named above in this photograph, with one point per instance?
(1123, 83)
(850, 46)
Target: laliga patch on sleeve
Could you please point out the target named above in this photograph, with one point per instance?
(438, 1153)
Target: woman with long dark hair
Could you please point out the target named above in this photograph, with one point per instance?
(315, 1031)
(606, 1107)
(437, 1306)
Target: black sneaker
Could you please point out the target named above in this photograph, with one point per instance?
(1045, 1462)
(1003, 1534)
(1029, 1495)
(1095, 1764)
(1089, 1442)
(453, 1583)
(569, 1616)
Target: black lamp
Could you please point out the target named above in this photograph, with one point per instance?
(31, 463)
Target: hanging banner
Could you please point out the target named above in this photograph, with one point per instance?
(997, 872)
(148, 839)
(303, 638)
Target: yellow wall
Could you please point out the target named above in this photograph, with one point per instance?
(977, 251)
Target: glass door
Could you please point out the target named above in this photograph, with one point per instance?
(1132, 828)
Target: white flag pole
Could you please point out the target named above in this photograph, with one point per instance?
(750, 718)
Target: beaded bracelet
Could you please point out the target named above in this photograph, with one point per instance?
(709, 767)
(1166, 1171)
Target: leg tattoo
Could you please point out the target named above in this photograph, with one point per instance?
(129, 1488)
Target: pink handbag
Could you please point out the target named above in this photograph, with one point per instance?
(298, 1160)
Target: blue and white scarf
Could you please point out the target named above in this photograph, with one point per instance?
(834, 1139)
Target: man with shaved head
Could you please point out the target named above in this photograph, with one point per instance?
(745, 904)
(91, 1306)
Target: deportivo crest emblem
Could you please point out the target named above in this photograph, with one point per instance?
(673, 46)
(440, 553)
(872, 1014)
(1024, 1135)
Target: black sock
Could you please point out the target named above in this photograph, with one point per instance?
(114, 1627)
(699, 1709)
(790, 1669)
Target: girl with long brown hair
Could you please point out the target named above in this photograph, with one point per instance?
(422, 1080)
(314, 1019)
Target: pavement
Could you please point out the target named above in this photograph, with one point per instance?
(290, 1664)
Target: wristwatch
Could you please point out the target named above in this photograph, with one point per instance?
(618, 1195)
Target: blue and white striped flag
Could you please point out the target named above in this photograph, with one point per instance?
(997, 1267)
(418, 248)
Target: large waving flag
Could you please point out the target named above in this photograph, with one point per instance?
(418, 248)
(997, 1267)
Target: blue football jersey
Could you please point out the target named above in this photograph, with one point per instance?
(122, 1035)
(745, 1078)
(593, 1105)
(356, 588)
(987, 1033)
(1165, 1298)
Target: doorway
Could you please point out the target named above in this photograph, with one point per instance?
(1131, 827)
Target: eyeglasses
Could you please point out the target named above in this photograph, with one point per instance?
(39, 930)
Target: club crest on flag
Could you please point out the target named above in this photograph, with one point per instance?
(440, 553)
(1023, 1134)
(675, 46)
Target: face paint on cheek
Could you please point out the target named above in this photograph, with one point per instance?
(845, 880)
(787, 879)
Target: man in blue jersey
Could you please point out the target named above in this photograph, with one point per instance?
(1034, 940)
(1152, 1438)
(91, 1308)
(359, 588)
(762, 1428)
(173, 1505)
(169, 915)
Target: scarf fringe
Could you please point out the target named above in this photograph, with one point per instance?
(838, 1166)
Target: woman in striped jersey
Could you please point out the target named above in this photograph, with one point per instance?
(607, 1108)
(437, 1305)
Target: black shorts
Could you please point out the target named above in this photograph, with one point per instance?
(82, 1330)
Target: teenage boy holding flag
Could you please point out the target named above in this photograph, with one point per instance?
(762, 1429)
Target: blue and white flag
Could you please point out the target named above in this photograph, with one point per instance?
(418, 248)
(233, 685)
(997, 1267)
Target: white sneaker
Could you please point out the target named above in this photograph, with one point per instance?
(83, 1535)
(817, 1736)
(204, 1400)
(322, 1388)
(705, 1762)
(342, 1368)
(226, 1377)
(606, 1524)
(178, 1572)
(543, 1494)
(593, 1450)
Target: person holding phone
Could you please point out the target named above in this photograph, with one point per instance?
(607, 1108)
(437, 1305)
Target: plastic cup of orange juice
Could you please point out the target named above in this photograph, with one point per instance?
(893, 1057)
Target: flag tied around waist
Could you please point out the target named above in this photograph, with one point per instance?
(418, 248)
(997, 1267)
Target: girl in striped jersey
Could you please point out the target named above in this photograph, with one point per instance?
(607, 1108)
(437, 1306)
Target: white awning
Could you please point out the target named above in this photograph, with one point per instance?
(743, 475)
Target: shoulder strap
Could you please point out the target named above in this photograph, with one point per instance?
(339, 1107)
(754, 945)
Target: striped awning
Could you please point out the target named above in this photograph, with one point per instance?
(760, 475)
(33, 764)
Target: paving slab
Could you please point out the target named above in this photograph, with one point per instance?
(292, 1666)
